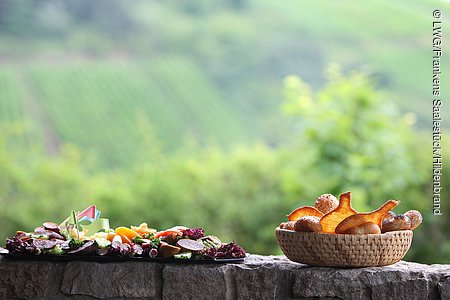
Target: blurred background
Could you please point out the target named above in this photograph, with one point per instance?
(221, 114)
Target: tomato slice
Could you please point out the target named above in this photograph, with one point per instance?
(167, 232)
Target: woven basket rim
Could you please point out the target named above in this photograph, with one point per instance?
(341, 234)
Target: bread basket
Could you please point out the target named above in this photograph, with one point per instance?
(344, 250)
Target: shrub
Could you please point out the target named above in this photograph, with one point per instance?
(348, 137)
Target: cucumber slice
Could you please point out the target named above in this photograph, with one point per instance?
(183, 255)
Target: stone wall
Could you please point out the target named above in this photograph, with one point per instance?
(260, 277)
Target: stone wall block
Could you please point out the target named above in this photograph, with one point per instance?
(108, 280)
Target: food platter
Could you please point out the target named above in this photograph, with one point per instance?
(86, 237)
(106, 259)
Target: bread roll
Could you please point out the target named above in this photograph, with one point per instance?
(365, 228)
(326, 203)
(399, 222)
(308, 224)
(415, 217)
(389, 215)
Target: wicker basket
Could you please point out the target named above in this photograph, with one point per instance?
(344, 250)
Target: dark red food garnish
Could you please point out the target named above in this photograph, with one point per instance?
(17, 246)
(193, 233)
(209, 253)
(231, 250)
(23, 236)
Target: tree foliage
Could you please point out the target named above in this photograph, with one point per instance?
(357, 139)
(348, 137)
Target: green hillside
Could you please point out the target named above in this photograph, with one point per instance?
(96, 75)
(110, 108)
(14, 121)
(390, 40)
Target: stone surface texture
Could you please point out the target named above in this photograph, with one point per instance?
(260, 277)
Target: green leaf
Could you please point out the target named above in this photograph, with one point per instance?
(96, 226)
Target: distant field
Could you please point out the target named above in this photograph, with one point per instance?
(106, 107)
(14, 121)
(10, 108)
(389, 39)
(203, 71)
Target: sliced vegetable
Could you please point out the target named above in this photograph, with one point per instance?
(102, 243)
(87, 248)
(190, 245)
(183, 255)
(211, 239)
